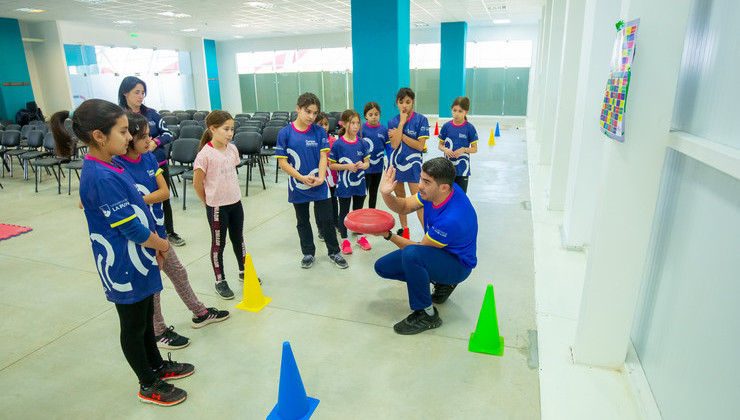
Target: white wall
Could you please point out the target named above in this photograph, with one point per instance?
(47, 66)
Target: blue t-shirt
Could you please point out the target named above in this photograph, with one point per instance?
(405, 158)
(376, 139)
(303, 151)
(159, 131)
(349, 183)
(457, 136)
(128, 270)
(144, 172)
(453, 224)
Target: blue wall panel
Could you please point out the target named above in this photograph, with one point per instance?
(15, 83)
(214, 88)
(452, 65)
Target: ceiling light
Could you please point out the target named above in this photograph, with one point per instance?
(240, 25)
(501, 21)
(420, 24)
(93, 1)
(260, 5)
(27, 10)
(123, 22)
(238, 36)
(175, 15)
(188, 30)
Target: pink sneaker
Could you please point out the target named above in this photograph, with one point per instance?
(346, 247)
(364, 243)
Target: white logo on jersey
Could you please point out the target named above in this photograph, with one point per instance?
(105, 209)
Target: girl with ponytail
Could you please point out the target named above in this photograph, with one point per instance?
(126, 249)
(215, 182)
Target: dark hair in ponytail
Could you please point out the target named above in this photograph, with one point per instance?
(138, 127)
(347, 116)
(369, 106)
(463, 102)
(91, 115)
(127, 85)
(215, 119)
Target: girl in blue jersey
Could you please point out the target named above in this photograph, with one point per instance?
(142, 166)
(376, 138)
(458, 139)
(408, 132)
(126, 249)
(350, 158)
(301, 152)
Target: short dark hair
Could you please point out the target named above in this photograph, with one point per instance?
(441, 170)
(307, 99)
(321, 117)
(404, 92)
(369, 106)
(127, 85)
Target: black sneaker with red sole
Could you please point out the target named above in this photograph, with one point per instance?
(162, 393)
(173, 370)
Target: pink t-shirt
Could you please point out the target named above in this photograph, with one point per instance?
(221, 184)
(331, 176)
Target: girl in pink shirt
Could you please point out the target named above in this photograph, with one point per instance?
(215, 182)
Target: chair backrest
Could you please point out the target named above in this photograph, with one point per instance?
(200, 116)
(293, 115)
(49, 141)
(11, 138)
(15, 127)
(249, 129)
(182, 116)
(175, 130)
(247, 116)
(164, 111)
(191, 132)
(184, 150)
(253, 123)
(248, 143)
(241, 120)
(175, 112)
(170, 120)
(277, 123)
(191, 112)
(269, 136)
(25, 129)
(37, 122)
(35, 139)
(203, 124)
(265, 113)
(332, 124)
(188, 122)
(336, 114)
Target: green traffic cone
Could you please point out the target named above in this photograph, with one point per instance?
(485, 339)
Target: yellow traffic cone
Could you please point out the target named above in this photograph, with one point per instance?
(492, 139)
(253, 299)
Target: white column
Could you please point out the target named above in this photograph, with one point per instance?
(629, 186)
(588, 142)
(200, 79)
(546, 121)
(533, 100)
(569, 69)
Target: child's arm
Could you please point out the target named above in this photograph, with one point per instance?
(334, 166)
(449, 153)
(322, 168)
(162, 193)
(198, 177)
(473, 148)
(290, 170)
(364, 164)
(417, 144)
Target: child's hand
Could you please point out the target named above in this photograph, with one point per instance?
(449, 153)
(404, 118)
(152, 144)
(459, 152)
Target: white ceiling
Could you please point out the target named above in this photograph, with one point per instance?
(215, 19)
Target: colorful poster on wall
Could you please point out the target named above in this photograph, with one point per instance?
(615, 98)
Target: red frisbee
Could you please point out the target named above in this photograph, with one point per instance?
(369, 221)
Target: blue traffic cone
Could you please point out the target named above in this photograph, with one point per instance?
(293, 404)
(498, 133)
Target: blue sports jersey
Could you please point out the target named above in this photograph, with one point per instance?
(376, 140)
(349, 183)
(303, 151)
(453, 224)
(128, 270)
(144, 172)
(405, 158)
(457, 136)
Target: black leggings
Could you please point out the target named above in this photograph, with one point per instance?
(357, 202)
(373, 182)
(462, 181)
(334, 209)
(137, 339)
(322, 212)
(169, 224)
(221, 219)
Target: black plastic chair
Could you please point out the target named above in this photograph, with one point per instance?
(75, 165)
(164, 111)
(191, 132)
(184, 123)
(37, 147)
(170, 120)
(200, 116)
(11, 140)
(250, 144)
(49, 163)
(191, 112)
(293, 115)
(332, 125)
(34, 140)
(183, 151)
(269, 140)
(277, 123)
(15, 127)
(245, 116)
(249, 129)
(182, 116)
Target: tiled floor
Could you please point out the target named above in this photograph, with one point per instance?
(59, 349)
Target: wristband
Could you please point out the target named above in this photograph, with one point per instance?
(390, 234)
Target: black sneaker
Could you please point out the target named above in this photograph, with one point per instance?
(173, 370)
(171, 340)
(161, 393)
(442, 292)
(418, 322)
(338, 260)
(307, 261)
(223, 290)
(212, 315)
(175, 239)
(241, 278)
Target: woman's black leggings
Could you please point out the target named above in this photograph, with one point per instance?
(357, 201)
(373, 182)
(169, 224)
(137, 339)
